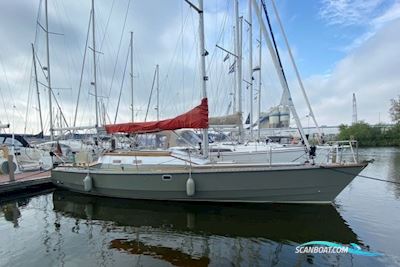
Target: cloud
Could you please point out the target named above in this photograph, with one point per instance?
(348, 12)
(390, 14)
(158, 39)
(371, 71)
(167, 35)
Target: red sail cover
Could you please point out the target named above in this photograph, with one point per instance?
(196, 118)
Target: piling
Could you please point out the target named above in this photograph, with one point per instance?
(11, 170)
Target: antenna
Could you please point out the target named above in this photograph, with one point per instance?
(354, 109)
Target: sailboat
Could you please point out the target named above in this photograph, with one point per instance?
(164, 175)
(180, 176)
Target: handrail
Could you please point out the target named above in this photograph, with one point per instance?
(338, 150)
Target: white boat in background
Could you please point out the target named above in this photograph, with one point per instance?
(249, 152)
(26, 157)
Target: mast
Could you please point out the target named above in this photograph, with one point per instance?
(354, 109)
(37, 88)
(259, 86)
(158, 91)
(203, 54)
(279, 71)
(104, 112)
(94, 66)
(234, 105)
(250, 22)
(133, 112)
(296, 71)
(238, 21)
(48, 73)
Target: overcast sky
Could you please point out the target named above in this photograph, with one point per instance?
(340, 46)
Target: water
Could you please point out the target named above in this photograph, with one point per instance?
(61, 228)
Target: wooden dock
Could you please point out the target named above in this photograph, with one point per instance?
(24, 181)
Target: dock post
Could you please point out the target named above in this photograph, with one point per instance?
(10, 159)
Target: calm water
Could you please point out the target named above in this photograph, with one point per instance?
(66, 229)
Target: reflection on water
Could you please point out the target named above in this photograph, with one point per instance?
(11, 213)
(172, 256)
(281, 223)
(11, 210)
(394, 172)
(85, 230)
(184, 234)
(69, 229)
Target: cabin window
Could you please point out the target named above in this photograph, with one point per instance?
(8, 142)
(166, 177)
(116, 161)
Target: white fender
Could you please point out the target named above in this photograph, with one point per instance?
(5, 168)
(190, 186)
(87, 183)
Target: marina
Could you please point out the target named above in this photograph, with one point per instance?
(75, 229)
(195, 133)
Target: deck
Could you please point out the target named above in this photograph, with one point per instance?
(24, 181)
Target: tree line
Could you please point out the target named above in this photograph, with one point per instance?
(375, 135)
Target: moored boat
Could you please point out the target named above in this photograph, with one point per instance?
(167, 176)
(163, 175)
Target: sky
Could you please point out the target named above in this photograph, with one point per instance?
(341, 47)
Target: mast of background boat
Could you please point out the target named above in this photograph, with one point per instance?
(94, 66)
(48, 73)
(296, 71)
(234, 105)
(37, 88)
(133, 112)
(158, 91)
(250, 23)
(259, 87)
(279, 71)
(238, 23)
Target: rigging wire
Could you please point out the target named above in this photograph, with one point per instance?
(116, 60)
(122, 85)
(8, 85)
(31, 72)
(107, 23)
(273, 40)
(151, 93)
(71, 61)
(82, 69)
(182, 56)
(211, 61)
(140, 83)
(29, 96)
(172, 65)
(39, 12)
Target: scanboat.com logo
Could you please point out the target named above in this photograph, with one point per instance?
(331, 247)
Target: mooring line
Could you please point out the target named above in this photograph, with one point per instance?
(362, 176)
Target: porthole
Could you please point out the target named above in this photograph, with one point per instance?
(166, 177)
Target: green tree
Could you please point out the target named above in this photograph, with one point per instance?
(364, 133)
(395, 109)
